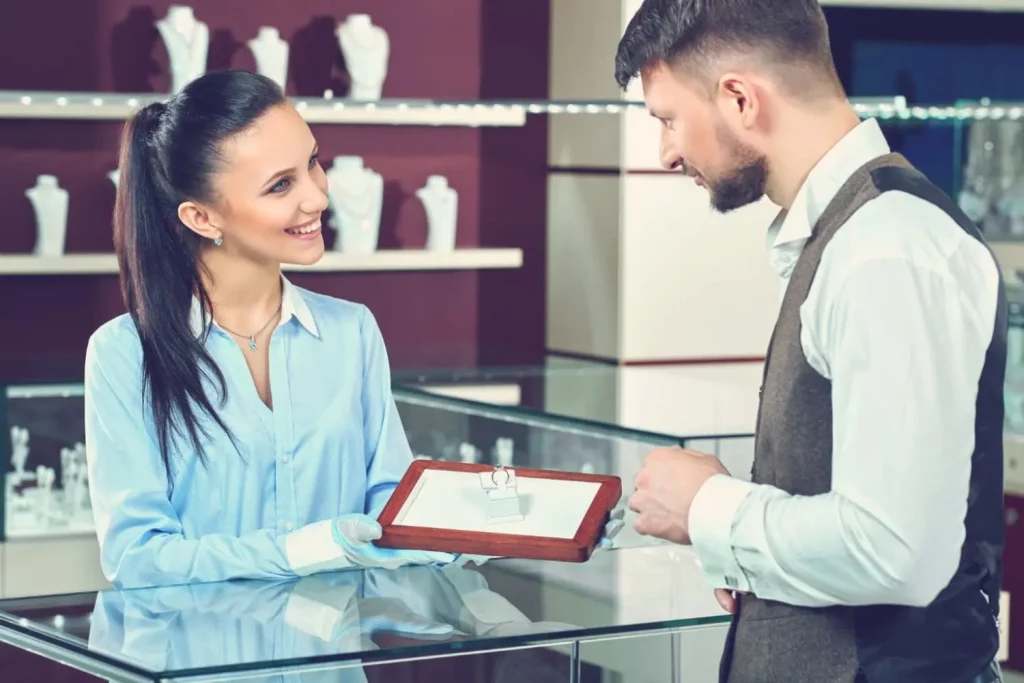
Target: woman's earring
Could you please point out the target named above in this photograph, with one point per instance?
(219, 241)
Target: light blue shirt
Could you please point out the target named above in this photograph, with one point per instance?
(332, 445)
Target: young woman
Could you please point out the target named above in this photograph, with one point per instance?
(236, 425)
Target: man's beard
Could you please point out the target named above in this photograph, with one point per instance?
(745, 184)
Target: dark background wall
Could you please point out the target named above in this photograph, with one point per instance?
(444, 49)
(931, 58)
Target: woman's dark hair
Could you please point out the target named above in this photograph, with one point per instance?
(170, 153)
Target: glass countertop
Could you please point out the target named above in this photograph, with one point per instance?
(674, 402)
(347, 620)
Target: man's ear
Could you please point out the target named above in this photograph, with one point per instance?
(738, 99)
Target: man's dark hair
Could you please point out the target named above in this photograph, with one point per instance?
(789, 34)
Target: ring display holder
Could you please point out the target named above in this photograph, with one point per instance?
(523, 513)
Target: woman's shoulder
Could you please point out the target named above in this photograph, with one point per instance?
(115, 342)
(337, 315)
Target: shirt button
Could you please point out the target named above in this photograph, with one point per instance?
(285, 459)
(288, 526)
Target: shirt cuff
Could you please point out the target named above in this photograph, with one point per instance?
(313, 549)
(710, 522)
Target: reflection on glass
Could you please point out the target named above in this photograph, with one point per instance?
(348, 620)
(1014, 386)
(993, 177)
(214, 627)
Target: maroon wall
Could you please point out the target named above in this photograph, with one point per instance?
(450, 49)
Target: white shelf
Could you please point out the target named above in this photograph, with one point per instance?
(332, 262)
(967, 5)
(119, 106)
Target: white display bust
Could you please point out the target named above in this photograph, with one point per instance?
(19, 453)
(50, 203)
(441, 204)
(187, 41)
(366, 49)
(271, 53)
(115, 177)
(356, 194)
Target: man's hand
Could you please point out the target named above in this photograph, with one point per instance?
(665, 489)
(726, 599)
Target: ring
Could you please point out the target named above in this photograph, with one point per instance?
(500, 468)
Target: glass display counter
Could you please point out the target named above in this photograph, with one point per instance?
(528, 617)
(46, 488)
(46, 492)
(707, 409)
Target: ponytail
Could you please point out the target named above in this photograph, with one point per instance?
(169, 154)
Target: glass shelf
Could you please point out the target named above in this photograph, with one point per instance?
(119, 106)
(244, 629)
(412, 112)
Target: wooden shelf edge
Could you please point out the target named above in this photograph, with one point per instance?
(332, 262)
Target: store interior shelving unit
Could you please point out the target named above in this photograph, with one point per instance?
(66, 89)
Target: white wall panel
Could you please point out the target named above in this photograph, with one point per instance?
(584, 37)
(583, 274)
(641, 141)
(585, 140)
(696, 284)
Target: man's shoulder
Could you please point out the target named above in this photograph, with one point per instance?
(900, 226)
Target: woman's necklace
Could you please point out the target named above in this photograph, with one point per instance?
(252, 337)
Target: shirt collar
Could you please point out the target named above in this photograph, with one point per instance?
(293, 305)
(856, 148)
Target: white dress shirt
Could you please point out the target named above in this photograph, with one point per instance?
(899, 318)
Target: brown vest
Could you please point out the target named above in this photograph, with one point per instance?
(770, 642)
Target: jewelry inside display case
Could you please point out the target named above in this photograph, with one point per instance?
(46, 489)
(992, 193)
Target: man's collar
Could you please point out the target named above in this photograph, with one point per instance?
(856, 148)
(293, 305)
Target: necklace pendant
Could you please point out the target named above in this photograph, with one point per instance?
(252, 344)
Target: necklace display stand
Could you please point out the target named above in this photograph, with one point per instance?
(50, 203)
(469, 454)
(19, 455)
(75, 482)
(18, 506)
(504, 452)
(356, 194)
(366, 49)
(187, 41)
(441, 204)
(271, 53)
(45, 477)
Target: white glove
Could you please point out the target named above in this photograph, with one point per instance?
(347, 542)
